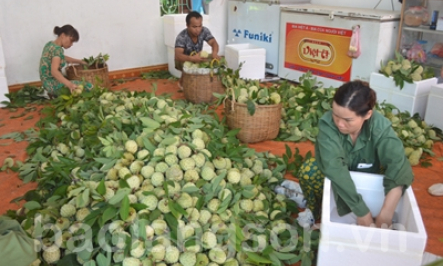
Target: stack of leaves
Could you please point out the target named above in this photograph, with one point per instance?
(140, 178)
(404, 70)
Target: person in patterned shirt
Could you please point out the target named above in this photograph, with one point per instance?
(53, 60)
(189, 42)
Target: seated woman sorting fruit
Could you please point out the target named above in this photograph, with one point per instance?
(53, 60)
(353, 137)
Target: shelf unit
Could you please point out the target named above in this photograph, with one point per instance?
(407, 35)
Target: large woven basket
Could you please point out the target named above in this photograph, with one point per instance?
(199, 88)
(97, 77)
(263, 125)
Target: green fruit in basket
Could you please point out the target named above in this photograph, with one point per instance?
(76, 92)
(204, 54)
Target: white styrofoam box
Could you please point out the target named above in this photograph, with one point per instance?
(434, 108)
(171, 63)
(3, 90)
(342, 238)
(439, 23)
(378, 80)
(3, 82)
(252, 57)
(173, 24)
(412, 98)
(412, 104)
(2, 61)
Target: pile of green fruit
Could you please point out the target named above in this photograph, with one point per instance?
(404, 70)
(139, 179)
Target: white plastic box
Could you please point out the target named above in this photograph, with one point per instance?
(412, 98)
(3, 82)
(342, 242)
(252, 57)
(434, 108)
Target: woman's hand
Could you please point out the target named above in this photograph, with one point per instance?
(72, 86)
(384, 218)
(365, 220)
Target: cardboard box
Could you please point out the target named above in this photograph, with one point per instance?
(434, 107)
(252, 58)
(342, 242)
(412, 98)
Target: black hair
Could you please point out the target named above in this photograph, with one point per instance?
(357, 96)
(68, 30)
(192, 14)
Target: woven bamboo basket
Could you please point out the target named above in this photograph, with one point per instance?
(199, 88)
(263, 125)
(97, 77)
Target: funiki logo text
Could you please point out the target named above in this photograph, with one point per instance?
(262, 37)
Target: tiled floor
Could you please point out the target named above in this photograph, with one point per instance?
(431, 207)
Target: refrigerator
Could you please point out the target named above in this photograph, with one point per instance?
(258, 23)
(316, 38)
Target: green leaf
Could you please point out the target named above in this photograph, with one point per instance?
(254, 257)
(275, 261)
(251, 107)
(190, 189)
(102, 260)
(284, 256)
(69, 260)
(32, 205)
(121, 193)
(101, 188)
(108, 214)
(138, 206)
(89, 263)
(149, 122)
(124, 208)
(172, 224)
(83, 199)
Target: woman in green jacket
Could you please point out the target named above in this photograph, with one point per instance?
(355, 137)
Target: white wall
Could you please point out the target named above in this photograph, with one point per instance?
(218, 13)
(384, 4)
(130, 31)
